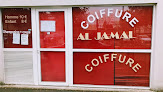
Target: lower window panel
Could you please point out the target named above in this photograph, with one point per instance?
(53, 66)
(102, 68)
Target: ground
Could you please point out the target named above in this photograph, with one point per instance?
(34, 88)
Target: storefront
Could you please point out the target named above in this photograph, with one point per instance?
(105, 45)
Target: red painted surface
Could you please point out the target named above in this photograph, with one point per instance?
(54, 39)
(53, 66)
(101, 75)
(124, 75)
(142, 30)
(8, 38)
(111, 72)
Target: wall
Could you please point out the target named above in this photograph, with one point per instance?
(157, 62)
(1, 54)
(157, 80)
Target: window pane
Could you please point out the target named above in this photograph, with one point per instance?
(17, 31)
(52, 29)
(123, 27)
(103, 74)
(125, 69)
(136, 74)
(53, 66)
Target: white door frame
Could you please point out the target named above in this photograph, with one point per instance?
(52, 49)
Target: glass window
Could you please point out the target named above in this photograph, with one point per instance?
(101, 68)
(53, 66)
(52, 29)
(124, 27)
(17, 31)
(98, 29)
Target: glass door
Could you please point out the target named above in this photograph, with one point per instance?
(51, 46)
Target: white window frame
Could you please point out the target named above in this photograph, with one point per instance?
(52, 49)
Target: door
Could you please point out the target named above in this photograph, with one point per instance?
(51, 46)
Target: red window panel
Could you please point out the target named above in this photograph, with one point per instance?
(124, 74)
(53, 66)
(51, 39)
(133, 71)
(109, 23)
(16, 20)
(103, 74)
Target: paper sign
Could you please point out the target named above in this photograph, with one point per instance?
(16, 38)
(24, 39)
(47, 26)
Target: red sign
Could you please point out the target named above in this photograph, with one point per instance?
(127, 69)
(125, 27)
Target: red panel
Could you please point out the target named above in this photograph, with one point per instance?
(54, 39)
(142, 29)
(103, 74)
(19, 24)
(124, 75)
(112, 72)
(53, 66)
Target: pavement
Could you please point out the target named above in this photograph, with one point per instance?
(73, 89)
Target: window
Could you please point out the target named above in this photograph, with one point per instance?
(17, 31)
(111, 45)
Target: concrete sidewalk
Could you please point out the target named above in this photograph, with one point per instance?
(73, 89)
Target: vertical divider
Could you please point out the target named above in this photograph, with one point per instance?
(152, 64)
(70, 46)
(66, 46)
(34, 40)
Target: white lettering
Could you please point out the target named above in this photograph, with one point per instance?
(127, 16)
(84, 27)
(86, 68)
(133, 21)
(89, 20)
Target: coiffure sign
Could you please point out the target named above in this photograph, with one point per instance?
(125, 27)
(118, 13)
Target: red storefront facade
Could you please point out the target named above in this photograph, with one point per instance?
(94, 46)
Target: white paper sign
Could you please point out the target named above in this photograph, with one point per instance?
(16, 38)
(47, 26)
(24, 39)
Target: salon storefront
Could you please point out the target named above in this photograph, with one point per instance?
(107, 45)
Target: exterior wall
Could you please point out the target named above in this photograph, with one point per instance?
(157, 80)
(156, 65)
(1, 54)
(71, 2)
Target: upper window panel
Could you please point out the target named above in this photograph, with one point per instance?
(52, 29)
(17, 31)
(123, 27)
